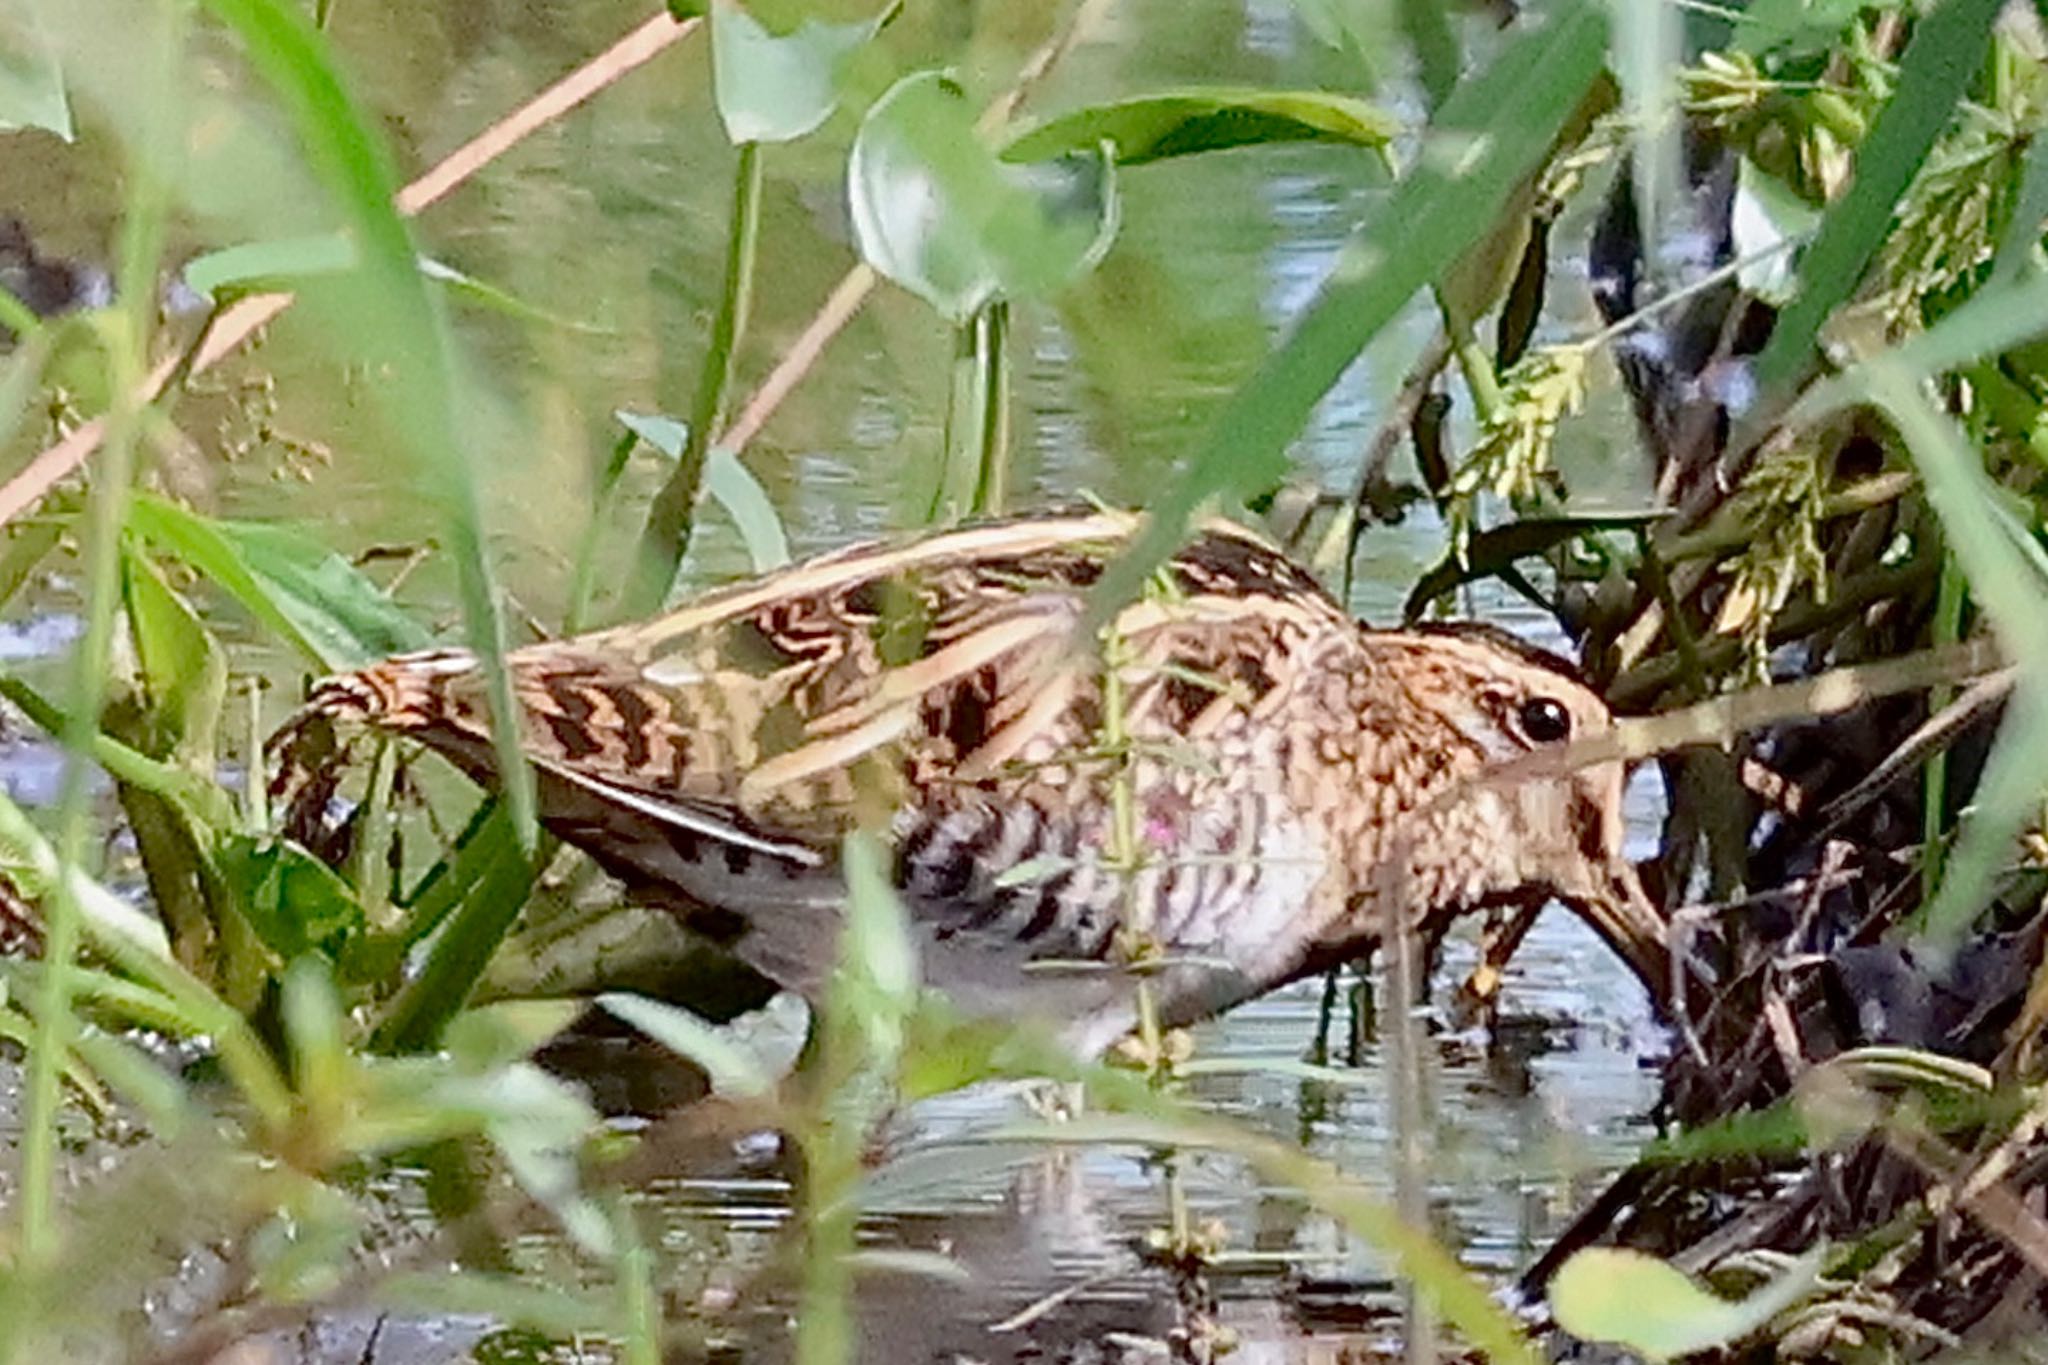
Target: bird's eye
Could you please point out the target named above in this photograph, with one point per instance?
(1544, 720)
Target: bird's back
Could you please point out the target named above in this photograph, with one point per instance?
(939, 690)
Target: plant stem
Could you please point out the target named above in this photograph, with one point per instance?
(992, 487)
(674, 511)
(126, 332)
(1411, 1167)
(975, 477)
(1475, 364)
(1948, 623)
(577, 615)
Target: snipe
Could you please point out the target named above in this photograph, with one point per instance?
(1288, 771)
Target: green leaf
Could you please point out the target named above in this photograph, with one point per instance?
(314, 599)
(538, 1123)
(256, 267)
(1184, 122)
(728, 481)
(733, 486)
(665, 434)
(1492, 131)
(507, 1031)
(937, 213)
(876, 987)
(32, 93)
(1437, 58)
(496, 298)
(2008, 574)
(732, 1068)
(479, 896)
(1945, 52)
(386, 313)
(1607, 1294)
(142, 1080)
(776, 87)
(183, 672)
(296, 903)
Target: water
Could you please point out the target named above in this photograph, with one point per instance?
(614, 219)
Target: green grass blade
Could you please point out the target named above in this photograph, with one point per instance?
(1492, 131)
(2008, 574)
(386, 304)
(1947, 49)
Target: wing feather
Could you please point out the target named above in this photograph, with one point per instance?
(753, 717)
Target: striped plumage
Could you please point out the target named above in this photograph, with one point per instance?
(1290, 770)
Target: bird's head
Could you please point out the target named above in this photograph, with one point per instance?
(1493, 812)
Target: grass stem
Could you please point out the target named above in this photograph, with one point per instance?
(673, 513)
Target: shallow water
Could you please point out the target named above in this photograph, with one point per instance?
(614, 219)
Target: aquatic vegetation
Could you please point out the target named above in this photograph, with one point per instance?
(1837, 378)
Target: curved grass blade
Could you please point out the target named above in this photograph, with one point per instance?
(310, 596)
(386, 304)
(1946, 50)
(1491, 132)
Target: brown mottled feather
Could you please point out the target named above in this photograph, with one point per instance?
(938, 688)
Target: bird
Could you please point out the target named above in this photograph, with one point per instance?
(1232, 784)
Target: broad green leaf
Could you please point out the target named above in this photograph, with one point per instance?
(296, 903)
(733, 1070)
(937, 213)
(309, 595)
(1183, 122)
(776, 87)
(1607, 1294)
(32, 93)
(1486, 138)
